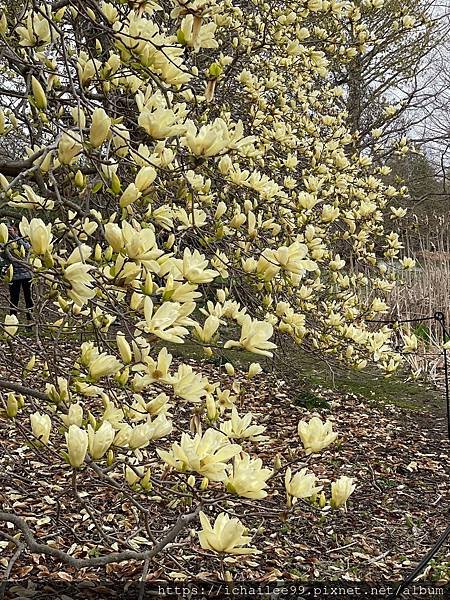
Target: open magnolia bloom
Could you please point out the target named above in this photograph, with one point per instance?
(302, 484)
(226, 536)
(247, 477)
(316, 435)
(240, 428)
(341, 489)
(207, 455)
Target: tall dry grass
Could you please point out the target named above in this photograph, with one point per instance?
(426, 289)
(423, 291)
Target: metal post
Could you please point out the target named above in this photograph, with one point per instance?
(440, 318)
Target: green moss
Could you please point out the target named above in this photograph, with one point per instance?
(305, 373)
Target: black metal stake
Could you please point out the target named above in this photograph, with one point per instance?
(440, 318)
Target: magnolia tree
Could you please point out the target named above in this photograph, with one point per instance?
(189, 178)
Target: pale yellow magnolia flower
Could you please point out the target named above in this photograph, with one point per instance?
(209, 329)
(341, 489)
(81, 281)
(100, 440)
(41, 426)
(193, 268)
(80, 254)
(4, 234)
(247, 477)
(316, 435)
(77, 445)
(40, 236)
(253, 370)
(70, 147)
(196, 35)
(114, 237)
(225, 537)
(207, 455)
(74, 415)
(38, 92)
(229, 369)
(225, 399)
(100, 127)
(145, 178)
(158, 370)
(130, 195)
(141, 435)
(408, 263)
(35, 32)
(161, 123)
(410, 343)
(112, 414)
(209, 140)
(162, 323)
(254, 337)
(241, 428)
(189, 385)
(11, 325)
(103, 365)
(124, 348)
(301, 485)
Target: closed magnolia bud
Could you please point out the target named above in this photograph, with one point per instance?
(9, 274)
(3, 24)
(145, 178)
(99, 441)
(30, 364)
(148, 285)
(229, 369)
(253, 370)
(12, 406)
(130, 476)
(110, 458)
(40, 98)
(100, 127)
(145, 481)
(115, 184)
(220, 210)
(79, 180)
(277, 463)
(204, 484)
(3, 233)
(79, 117)
(322, 500)
(40, 236)
(191, 481)
(211, 408)
(41, 426)
(77, 444)
(170, 241)
(108, 253)
(123, 377)
(98, 253)
(91, 419)
(124, 348)
(4, 183)
(130, 195)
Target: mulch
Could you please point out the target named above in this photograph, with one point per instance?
(399, 459)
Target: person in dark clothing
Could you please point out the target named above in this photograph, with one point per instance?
(22, 274)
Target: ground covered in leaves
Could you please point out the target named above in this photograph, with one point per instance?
(399, 458)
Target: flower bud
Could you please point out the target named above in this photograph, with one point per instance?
(12, 406)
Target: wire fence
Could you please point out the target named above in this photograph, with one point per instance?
(439, 319)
